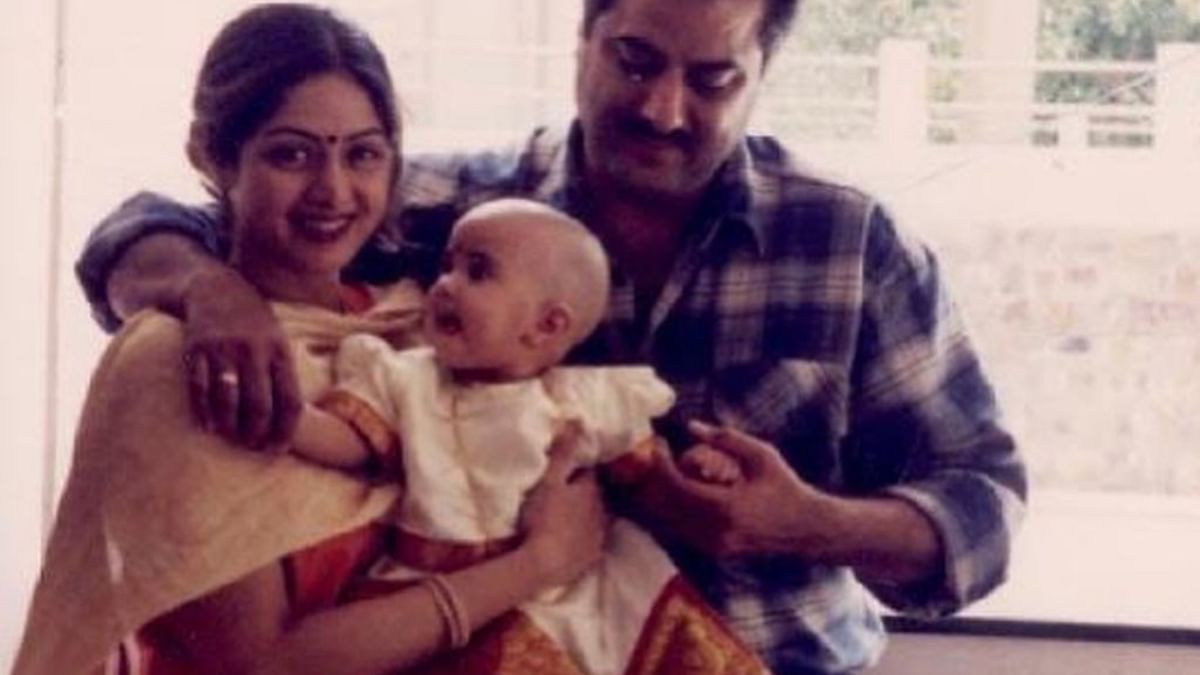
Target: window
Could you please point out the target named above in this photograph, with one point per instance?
(1055, 191)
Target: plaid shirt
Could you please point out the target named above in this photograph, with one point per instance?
(795, 311)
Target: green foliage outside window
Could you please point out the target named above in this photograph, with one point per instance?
(1069, 30)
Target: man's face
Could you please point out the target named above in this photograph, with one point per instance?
(664, 90)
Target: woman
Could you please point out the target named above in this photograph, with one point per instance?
(296, 133)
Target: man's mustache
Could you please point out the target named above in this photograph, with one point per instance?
(641, 129)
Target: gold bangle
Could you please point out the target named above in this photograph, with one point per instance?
(462, 623)
(453, 613)
(443, 607)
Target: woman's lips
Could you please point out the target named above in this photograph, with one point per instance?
(322, 229)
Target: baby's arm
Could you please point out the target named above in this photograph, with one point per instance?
(344, 431)
(327, 439)
(706, 463)
(346, 428)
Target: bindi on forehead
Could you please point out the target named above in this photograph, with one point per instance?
(335, 139)
(323, 138)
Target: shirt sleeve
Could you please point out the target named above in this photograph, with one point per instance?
(923, 407)
(382, 260)
(144, 214)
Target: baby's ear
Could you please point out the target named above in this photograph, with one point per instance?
(557, 319)
(555, 322)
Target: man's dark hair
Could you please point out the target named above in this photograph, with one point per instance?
(778, 17)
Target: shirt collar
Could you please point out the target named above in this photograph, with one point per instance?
(554, 158)
(733, 195)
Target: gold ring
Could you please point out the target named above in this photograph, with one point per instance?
(228, 378)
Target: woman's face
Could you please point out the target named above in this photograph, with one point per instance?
(312, 183)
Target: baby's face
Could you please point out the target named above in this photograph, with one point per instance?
(484, 302)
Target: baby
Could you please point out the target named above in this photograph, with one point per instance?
(521, 285)
(465, 423)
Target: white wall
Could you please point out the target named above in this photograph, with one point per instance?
(26, 141)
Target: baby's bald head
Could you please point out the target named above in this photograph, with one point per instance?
(565, 260)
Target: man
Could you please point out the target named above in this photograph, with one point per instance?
(784, 309)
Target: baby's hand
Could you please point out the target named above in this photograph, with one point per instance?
(706, 463)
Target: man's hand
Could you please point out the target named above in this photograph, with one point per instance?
(240, 374)
(769, 510)
(710, 465)
(772, 511)
(563, 517)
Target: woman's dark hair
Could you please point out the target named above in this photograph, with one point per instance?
(260, 55)
(777, 19)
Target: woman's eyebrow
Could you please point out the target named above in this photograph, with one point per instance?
(373, 131)
(317, 137)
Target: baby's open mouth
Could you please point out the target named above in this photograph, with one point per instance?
(447, 323)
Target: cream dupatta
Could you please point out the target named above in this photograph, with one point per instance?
(157, 512)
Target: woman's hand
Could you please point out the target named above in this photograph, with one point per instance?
(241, 379)
(563, 518)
